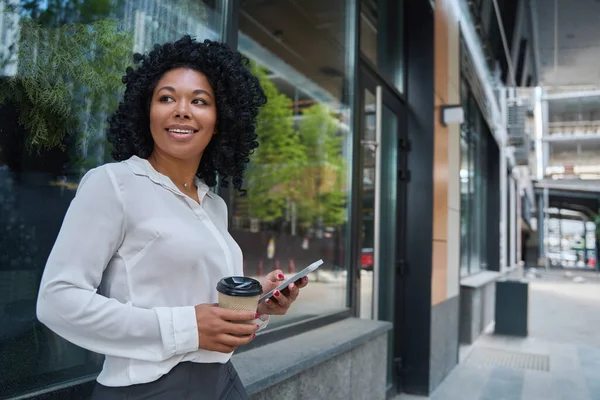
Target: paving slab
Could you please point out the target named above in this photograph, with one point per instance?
(564, 329)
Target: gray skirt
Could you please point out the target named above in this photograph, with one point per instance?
(186, 381)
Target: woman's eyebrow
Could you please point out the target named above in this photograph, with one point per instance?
(167, 88)
(197, 91)
(202, 91)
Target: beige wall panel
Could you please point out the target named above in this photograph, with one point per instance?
(440, 181)
(438, 100)
(454, 167)
(453, 93)
(439, 273)
(453, 55)
(453, 274)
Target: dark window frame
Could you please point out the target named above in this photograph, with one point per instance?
(229, 12)
(476, 133)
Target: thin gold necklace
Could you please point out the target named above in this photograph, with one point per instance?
(155, 165)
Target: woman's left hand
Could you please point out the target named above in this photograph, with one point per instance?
(280, 302)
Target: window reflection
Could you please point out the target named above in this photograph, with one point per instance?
(383, 51)
(368, 30)
(61, 65)
(465, 204)
(296, 207)
(369, 178)
(474, 181)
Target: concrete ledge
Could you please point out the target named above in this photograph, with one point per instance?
(514, 272)
(477, 304)
(269, 365)
(480, 279)
(478, 300)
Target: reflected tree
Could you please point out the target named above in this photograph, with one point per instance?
(297, 174)
(71, 56)
(275, 168)
(323, 178)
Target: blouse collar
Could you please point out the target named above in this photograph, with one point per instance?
(142, 167)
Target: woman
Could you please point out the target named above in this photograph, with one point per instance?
(134, 269)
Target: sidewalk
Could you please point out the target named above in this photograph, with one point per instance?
(560, 360)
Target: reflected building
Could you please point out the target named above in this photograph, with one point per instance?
(157, 21)
(9, 37)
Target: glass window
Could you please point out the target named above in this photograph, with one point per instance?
(482, 200)
(367, 234)
(474, 172)
(61, 65)
(368, 30)
(295, 210)
(475, 207)
(465, 204)
(381, 38)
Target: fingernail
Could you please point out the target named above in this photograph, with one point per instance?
(277, 294)
(257, 326)
(253, 335)
(256, 316)
(305, 279)
(268, 301)
(280, 276)
(292, 286)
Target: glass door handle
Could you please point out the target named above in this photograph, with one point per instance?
(377, 199)
(370, 142)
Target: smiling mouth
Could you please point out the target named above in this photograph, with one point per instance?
(181, 135)
(182, 131)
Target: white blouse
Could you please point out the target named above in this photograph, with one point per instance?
(132, 259)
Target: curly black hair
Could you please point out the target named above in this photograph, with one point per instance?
(238, 94)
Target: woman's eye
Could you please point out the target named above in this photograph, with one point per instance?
(165, 99)
(199, 101)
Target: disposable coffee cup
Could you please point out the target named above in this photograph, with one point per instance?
(239, 293)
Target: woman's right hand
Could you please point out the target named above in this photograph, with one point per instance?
(217, 333)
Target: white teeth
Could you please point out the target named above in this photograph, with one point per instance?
(181, 131)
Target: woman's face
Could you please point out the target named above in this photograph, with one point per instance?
(183, 114)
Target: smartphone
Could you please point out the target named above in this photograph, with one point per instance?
(312, 267)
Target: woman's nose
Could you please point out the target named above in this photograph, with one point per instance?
(182, 112)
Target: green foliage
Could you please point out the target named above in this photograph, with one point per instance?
(62, 72)
(302, 166)
(319, 134)
(275, 165)
(333, 208)
(324, 175)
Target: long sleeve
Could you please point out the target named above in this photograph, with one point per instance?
(68, 301)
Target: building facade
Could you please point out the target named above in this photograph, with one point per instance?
(414, 209)
(568, 179)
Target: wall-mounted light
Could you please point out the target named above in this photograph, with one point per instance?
(452, 114)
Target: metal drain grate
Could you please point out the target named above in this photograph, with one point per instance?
(501, 358)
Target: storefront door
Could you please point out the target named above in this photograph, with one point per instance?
(383, 162)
